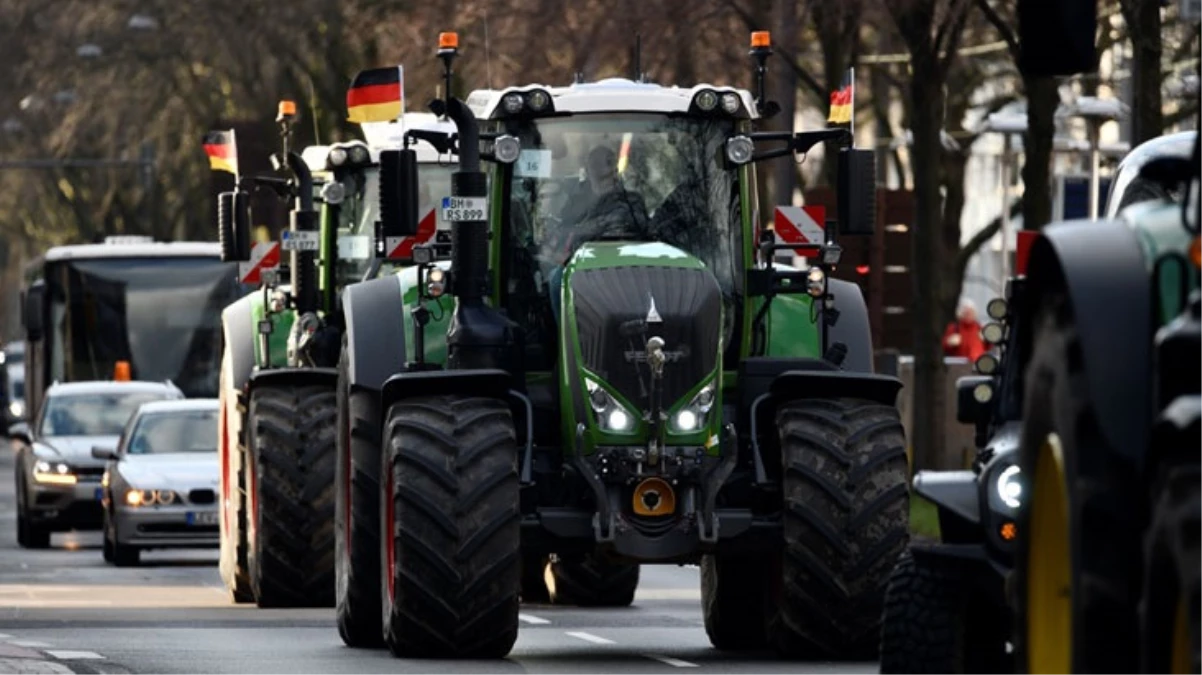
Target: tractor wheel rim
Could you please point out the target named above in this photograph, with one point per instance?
(1181, 658)
(1049, 587)
(390, 532)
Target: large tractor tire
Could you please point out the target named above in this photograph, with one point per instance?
(734, 602)
(1076, 564)
(292, 441)
(232, 561)
(1170, 625)
(357, 514)
(451, 559)
(933, 622)
(592, 582)
(846, 522)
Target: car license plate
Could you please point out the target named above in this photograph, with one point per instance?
(202, 518)
(99, 494)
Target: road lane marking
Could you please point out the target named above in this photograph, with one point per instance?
(530, 618)
(65, 654)
(589, 637)
(671, 661)
(28, 643)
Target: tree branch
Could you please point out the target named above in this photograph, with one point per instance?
(1000, 25)
(978, 240)
(953, 35)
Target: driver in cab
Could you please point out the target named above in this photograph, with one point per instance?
(604, 210)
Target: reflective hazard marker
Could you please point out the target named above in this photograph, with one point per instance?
(802, 225)
(401, 248)
(264, 256)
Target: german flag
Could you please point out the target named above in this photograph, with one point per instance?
(222, 150)
(376, 95)
(841, 100)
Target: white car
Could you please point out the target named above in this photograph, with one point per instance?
(160, 485)
(58, 478)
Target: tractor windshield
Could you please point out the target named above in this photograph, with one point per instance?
(635, 176)
(360, 210)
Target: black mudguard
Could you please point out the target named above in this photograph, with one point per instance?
(956, 492)
(293, 377)
(486, 383)
(240, 337)
(795, 384)
(375, 331)
(1102, 267)
(852, 328)
(975, 565)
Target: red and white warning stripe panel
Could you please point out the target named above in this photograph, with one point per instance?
(401, 248)
(264, 256)
(801, 225)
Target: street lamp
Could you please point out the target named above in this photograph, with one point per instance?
(1007, 124)
(1096, 112)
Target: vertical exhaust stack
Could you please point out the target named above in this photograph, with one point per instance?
(478, 336)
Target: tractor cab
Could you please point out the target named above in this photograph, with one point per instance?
(352, 190)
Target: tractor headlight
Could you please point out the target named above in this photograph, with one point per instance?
(16, 409)
(816, 282)
(337, 157)
(512, 103)
(1009, 486)
(730, 103)
(694, 416)
(507, 148)
(436, 282)
(611, 415)
(538, 100)
(359, 154)
(739, 150)
(53, 473)
(333, 192)
(706, 99)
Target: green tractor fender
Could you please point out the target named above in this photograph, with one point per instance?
(375, 333)
(292, 377)
(1100, 269)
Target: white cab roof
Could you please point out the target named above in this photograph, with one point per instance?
(610, 95)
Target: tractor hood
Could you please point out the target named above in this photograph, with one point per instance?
(620, 295)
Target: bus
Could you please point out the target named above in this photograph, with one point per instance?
(153, 307)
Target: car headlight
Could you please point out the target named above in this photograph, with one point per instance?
(611, 415)
(693, 417)
(16, 408)
(1009, 486)
(134, 497)
(53, 473)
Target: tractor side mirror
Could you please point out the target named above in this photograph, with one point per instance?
(233, 222)
(857, 191)
(398, 199)
(974, 397)
(31, 311)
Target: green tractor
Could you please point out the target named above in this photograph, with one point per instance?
(1107, 567)
(610, 369)
(278, 374)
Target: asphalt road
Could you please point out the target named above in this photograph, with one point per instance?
(64, 610)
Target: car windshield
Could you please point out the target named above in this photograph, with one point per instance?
(92, 414)
(642, 177)
(358, 213)
(170, 432)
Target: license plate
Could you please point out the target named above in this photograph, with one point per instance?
(202, 518)
(464, 208)
(300, 241)
(99, 494)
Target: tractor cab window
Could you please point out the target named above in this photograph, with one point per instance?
(641, 177)
(361, 209)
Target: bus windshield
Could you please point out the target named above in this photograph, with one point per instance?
(162, 315)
